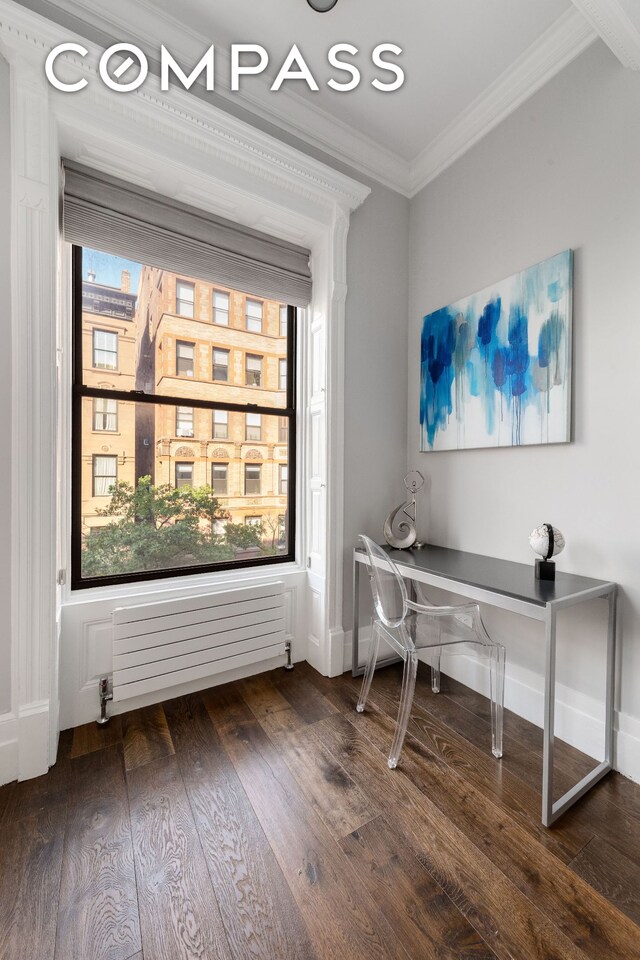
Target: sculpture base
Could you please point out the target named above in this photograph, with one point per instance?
(545, 570)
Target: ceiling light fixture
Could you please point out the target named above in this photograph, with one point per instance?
(322, 6)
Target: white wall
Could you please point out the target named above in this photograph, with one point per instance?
(563, 171)
(5, 388)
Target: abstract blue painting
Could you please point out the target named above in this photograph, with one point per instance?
(496, 366)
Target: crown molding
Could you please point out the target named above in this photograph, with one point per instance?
(557, 47)
(615, 27)
(147, 26)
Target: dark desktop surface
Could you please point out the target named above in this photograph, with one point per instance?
(506, 577)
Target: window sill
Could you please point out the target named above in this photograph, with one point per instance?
(190, 585)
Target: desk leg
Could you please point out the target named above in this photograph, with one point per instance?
(550, 810)
(549, 716)
(355, 671)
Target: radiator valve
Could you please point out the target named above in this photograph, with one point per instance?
(105, 692)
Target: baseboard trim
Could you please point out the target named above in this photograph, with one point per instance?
(8, 748)
(579, 718)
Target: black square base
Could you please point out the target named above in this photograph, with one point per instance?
(545, 570)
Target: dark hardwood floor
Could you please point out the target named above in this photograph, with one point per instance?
(258, 820)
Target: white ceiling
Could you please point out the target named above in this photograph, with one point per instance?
(468, 64)
(452, 50)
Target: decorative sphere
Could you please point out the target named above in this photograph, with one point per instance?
(539, 540)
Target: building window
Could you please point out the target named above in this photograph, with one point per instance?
(105, 475)
(184, 475)
(282, 528)
(252, 476)
(221, 308)
(105, 414)
(283, 320)
(220, 425)
(105, 350)
(282, 373)
(139, 436)
(284, 478)
(253, 426)
(253, 370)
(219, 478)
(220, 365)
(185, 298)
(185, 354)
(253, 316)
(253, 521)
(184, 421)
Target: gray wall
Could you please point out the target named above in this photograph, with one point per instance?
(563, 171)
(5, 390)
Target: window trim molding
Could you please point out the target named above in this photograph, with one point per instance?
(255, 176)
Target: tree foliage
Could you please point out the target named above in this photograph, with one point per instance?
(154, 527)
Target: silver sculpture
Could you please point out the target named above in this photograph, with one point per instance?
(407, 527)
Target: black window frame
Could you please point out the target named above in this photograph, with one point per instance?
(80, 390)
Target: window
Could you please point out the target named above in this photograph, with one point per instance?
(253, 370)
(185, 298)
(219, 478)
(283, 320)
(105, 414)
(253, 426)
(220, 425)
(282, 528)
(253, 521)
(220, 365)
(284, 477)
(185, 353)
(252, 476)
(220, 429)
(105, 475)
(282, 371)
(221, 308)
(151, 443)
(184, 421)
(184, 475)
(105, 350)
(253, 315)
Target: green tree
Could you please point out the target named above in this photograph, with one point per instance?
(243, 535)
(155, 527)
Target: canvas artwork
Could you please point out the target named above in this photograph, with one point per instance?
(496, 366)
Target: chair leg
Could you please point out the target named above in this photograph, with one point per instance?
(497, 698)
(435, 673)
(404, 712)
(370, 668)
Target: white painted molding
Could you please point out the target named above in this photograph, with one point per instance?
(556, 48)
(615, 26)
(148, 26)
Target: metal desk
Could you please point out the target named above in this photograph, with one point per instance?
(513, 587)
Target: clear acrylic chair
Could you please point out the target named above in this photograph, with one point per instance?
(409, 626)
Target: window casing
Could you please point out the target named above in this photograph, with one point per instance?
(253, 427)
(253, 370)
(184, 421)
(220, 365)
(185, 358)
(105, 415)
(105, 350)
(219, 479)
(253, 316)
(252, 479)
(184, 475)
(220, 306)
(105, 474)
(185, 298)
(150, 437)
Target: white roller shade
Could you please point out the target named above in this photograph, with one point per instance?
(110, 215)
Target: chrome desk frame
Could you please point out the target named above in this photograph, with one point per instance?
(546, 613)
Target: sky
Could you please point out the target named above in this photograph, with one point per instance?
(108, 268)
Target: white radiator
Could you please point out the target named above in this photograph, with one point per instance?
(162, 644)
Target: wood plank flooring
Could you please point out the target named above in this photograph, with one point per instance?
(259, 821)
